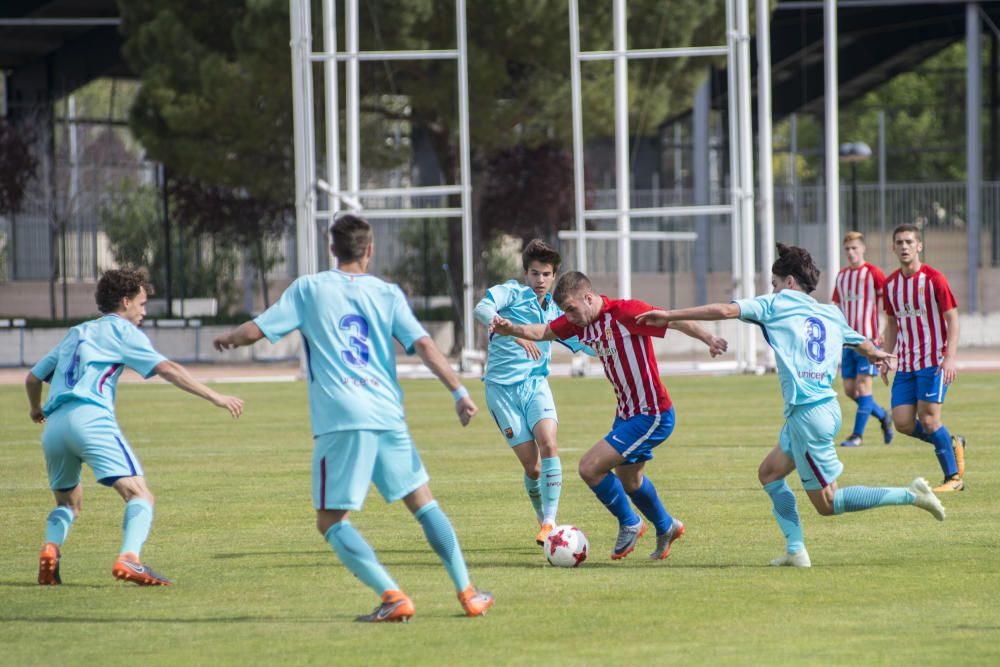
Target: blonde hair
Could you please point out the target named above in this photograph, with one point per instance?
(853, 236)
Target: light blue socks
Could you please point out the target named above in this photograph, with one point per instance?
(533, 487)
(859, 498)
(136, 524)
(358, 557)
(58, 525)
(551, 486)
(787, 514)
(443, 540)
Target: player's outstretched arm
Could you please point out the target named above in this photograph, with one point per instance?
(534, 332)
(716, 344)
(179, 376)
(428, 352)
(247, 333)
(710, 312)
(33, 387)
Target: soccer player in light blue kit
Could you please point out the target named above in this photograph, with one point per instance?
(80, 424)
(348, 320)
(517, 391)
(807, 338)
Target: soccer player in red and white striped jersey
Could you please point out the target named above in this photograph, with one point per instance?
(645, 415)
(858, 292)
(922, 328)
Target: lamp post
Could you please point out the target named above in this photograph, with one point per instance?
(853, 153)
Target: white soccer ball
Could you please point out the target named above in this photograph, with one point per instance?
(566, 546)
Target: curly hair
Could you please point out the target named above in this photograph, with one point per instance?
(538, 250)
(797, 262)
(118, 284)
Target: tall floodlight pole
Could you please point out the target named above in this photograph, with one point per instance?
(765, 162)
(466, 181)
(353, 89)
(622, 180)
(973, 154)
(578, 180)
(830, 149)
(747, 236)
(331, 94)
(305, 163)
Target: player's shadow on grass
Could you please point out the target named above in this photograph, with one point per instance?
(34, 584)
(146, 619)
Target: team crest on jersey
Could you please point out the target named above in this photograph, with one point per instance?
(509, 432)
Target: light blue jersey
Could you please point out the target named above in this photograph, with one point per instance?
(807, 338)
(347, 322)
(87, 362)
(507, 362)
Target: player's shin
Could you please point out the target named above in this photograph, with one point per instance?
(945, 452)
(610, 492)
(358, 557)
(136, 525)
(533, 488)
(865, 405)
(787, 514)
(648, 502)
(57, 527)
(551, 487)
(441, 536)
(859, 498)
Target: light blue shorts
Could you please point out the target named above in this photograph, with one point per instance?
(853, 364)
(927, 385)
(807, 437)
(78, 433)
(345, 463)
(517, 408)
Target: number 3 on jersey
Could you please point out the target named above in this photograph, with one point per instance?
(815, 333)
(358, 354)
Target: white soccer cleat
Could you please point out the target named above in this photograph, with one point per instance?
(925, 498)
(800, 559)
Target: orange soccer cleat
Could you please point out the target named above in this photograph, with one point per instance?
(48, 565)
(128, 568)
(396, 607)
(474, 601)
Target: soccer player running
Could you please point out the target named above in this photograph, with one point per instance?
(517, 391)
(80, 423)
(614, 467)
(922, 328)
(858, 292)
(806, 337)
(348, 320)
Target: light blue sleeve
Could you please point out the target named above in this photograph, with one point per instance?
(405, 326)
(575, 346)
(138, 353)
(851, 337)
(284, 315)
(46, 366)
(485, 310)
(757, 309)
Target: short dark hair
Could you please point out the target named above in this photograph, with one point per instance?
(906, 227)
(118, 284)
(350, 236)
(571, 284)
(538, 250)
(797, 262)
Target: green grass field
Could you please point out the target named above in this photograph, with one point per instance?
(256, 584)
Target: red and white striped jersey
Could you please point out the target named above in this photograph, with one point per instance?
(918, 303)
(858, 292)
(626, 350)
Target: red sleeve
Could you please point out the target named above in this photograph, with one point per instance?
(942, 293)
(626, 312)
(879, 278)
(836, 295)
(564, 328)
(885, 301)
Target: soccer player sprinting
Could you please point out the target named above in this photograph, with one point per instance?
(517, 391)
(614, 467)
(858, 292)
(348, 320)
(806, 337)
(922, 328)
(80, 423)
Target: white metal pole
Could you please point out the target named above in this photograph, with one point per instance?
(765, 159)
(622, 181)
(578, 182)
(466, 176)
(332, 98)
(973, 149)
(305, 222)
(747, 236)
(353, 111)
(735, 190)
(831, 142)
